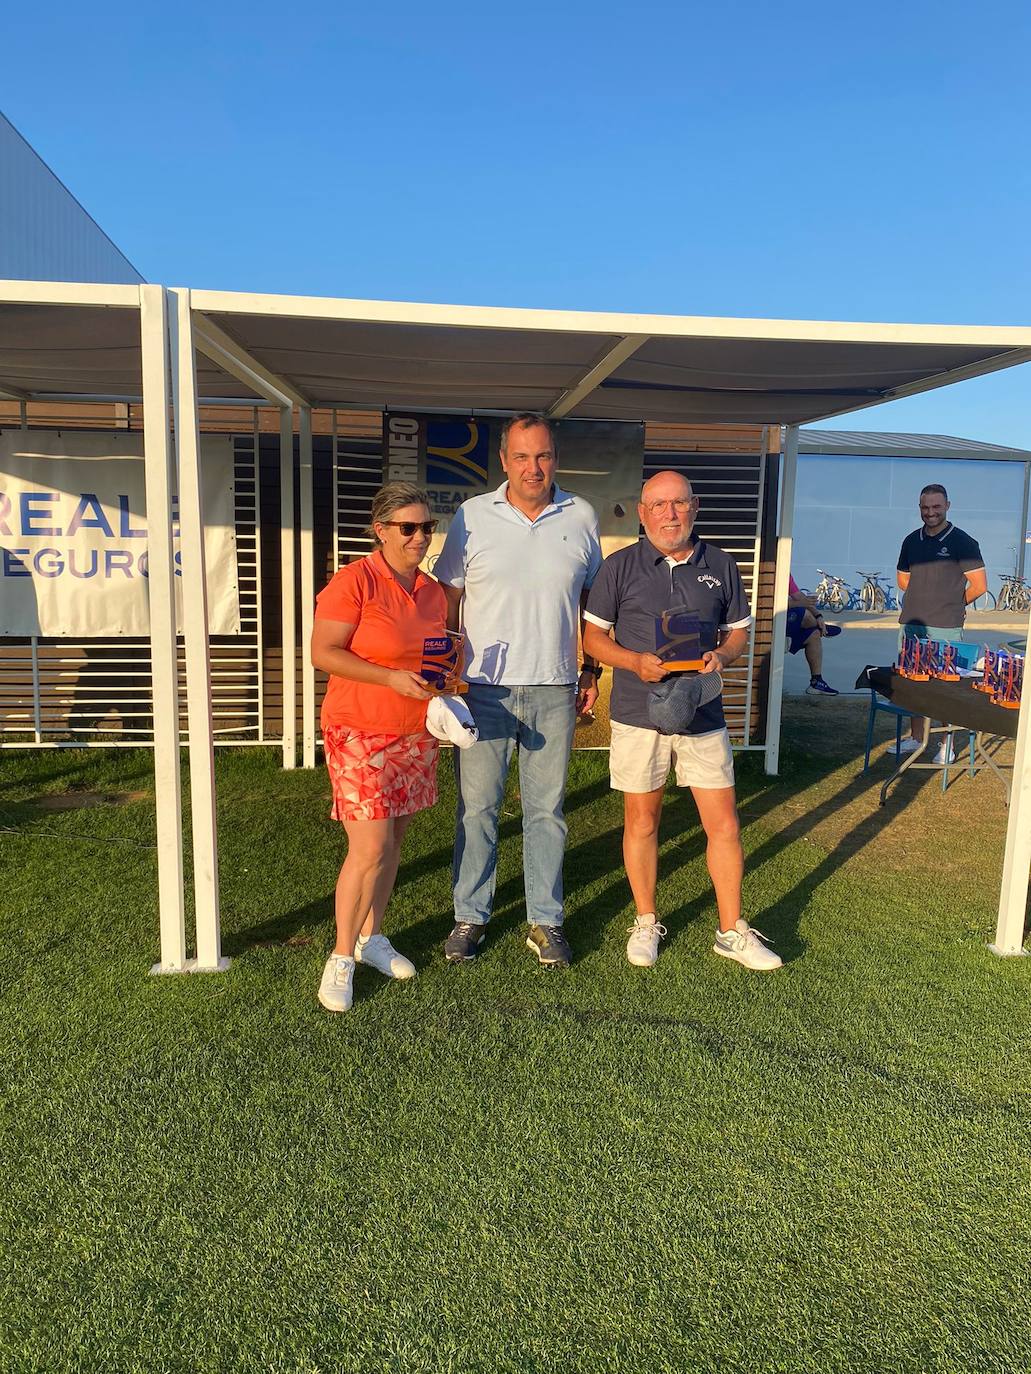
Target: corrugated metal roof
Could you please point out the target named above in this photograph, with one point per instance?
(47, 235)
(871, 444)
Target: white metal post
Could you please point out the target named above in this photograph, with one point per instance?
(289, 618)
(1016, 865)
(785, 524)
(307, 513)
(195, 633)
(164, 670)
(764, 450)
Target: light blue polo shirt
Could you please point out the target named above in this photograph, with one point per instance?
(522, 580)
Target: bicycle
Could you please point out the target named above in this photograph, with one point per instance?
(1014, 595)
(833, 593)
(873, 594)
(985, 602)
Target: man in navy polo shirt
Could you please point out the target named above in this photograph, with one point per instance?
(515, 565)
(940, 571)
(670, 569)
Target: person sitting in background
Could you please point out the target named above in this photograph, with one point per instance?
(371, 622)
(807, 630)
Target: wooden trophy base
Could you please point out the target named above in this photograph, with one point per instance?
(683, 665)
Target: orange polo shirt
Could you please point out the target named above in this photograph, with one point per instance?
(391, 625)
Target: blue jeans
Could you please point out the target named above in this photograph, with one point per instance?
(539, 721)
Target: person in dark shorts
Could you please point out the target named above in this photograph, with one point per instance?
(807, 630)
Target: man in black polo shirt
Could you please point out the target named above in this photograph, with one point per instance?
(940, 571)
(669, 569)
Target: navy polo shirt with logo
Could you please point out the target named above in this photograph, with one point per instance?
(638, 583)
(937, 565)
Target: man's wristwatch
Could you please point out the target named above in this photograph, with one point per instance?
(595, 670)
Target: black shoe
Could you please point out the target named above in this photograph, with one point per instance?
(464, 942)
(550, 946)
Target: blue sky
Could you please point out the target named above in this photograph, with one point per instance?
(797, 160)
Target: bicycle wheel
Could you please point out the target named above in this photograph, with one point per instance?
(1021, 600)
(984, 602)
(880, 600)
(866, 597)
(837, 601)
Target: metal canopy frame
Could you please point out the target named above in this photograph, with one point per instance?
(174, 327)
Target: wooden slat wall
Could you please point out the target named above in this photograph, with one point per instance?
(728, 483)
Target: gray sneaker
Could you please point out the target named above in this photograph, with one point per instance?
(464, 942)
(550, 946)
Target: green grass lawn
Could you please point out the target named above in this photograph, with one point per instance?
(495, 1168)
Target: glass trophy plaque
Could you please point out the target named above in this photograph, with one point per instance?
(443, 658)
(681, 638)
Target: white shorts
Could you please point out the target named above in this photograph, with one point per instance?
(639, 759)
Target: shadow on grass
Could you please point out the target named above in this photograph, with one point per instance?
(593, 857)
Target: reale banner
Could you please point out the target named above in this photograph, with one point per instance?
(73, 535)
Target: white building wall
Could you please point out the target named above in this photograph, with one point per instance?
(45, 234)
(852, 513)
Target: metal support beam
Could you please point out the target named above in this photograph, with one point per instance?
(785, 525)
(604, 367)
(233, 358)
(160, 473)
(1016, 865)
(287, 585)
(1022, 535)
(307, 513)
(13, 393)
(195, 633)
(1012, 358)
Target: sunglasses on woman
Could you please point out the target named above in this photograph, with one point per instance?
(408, 527)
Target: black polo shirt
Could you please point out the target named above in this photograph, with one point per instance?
(638, 583)
(937, 564)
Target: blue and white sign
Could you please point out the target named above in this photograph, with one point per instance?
(73, 534)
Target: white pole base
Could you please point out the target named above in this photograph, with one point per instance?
(1010, 953)
(192, 966)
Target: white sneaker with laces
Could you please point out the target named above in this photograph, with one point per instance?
(377, 952)
(744, 944)
(909, 745)
(642, 949)
(336, 991)
(945, 753)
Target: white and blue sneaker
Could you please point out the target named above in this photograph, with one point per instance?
(818, 688)
(745, 945)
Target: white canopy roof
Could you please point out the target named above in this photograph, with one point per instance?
(382, 354)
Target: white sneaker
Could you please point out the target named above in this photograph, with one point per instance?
(909, 745)
(743, 944)
(946, 753)
(336, 991)
(642, 949)
(379, 953)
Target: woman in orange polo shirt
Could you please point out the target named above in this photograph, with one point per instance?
(370, 624)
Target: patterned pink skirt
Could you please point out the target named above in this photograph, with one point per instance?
(375, 777)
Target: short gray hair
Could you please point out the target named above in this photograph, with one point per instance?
(527, 420)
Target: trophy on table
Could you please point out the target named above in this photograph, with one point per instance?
(443, 658)
(1009, 680)
(681, 638)
(945, 661)
(913, 659)
(987, 683)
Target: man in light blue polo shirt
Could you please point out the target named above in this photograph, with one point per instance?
(516, 566)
